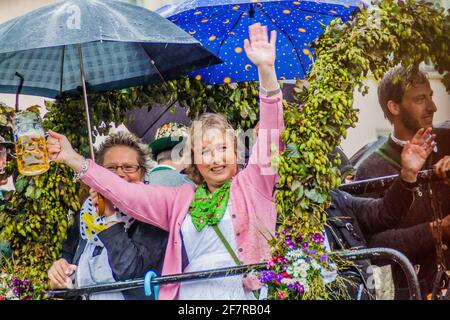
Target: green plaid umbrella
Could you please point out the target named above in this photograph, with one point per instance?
(81, 46)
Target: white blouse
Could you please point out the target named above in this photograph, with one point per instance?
(206, 251)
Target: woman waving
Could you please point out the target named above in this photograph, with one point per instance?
(225, 220)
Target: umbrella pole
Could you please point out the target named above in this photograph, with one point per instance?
(86, 103)
(101, 201)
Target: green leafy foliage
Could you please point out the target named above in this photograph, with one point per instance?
(389, 33)
(238, 102)
(35, 217)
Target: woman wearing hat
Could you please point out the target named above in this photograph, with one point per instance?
(238, 204)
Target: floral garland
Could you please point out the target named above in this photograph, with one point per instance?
(378, 38)
(17, 289)
(298, 267)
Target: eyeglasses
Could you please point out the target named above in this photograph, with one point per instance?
(126, 168)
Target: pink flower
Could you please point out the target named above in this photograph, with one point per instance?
(281, 294)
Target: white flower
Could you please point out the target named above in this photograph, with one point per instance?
(303, 274)
(302, 281)
(315, 265)
(304, 266)
(297, 262)
(294, 254)
(287, 281)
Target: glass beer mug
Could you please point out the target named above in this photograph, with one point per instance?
(31, 149)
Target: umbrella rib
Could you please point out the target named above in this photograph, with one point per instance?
(231, 29)
(153, 62)
(228, 35)
(279, 4)
(289, 38)
(157, 119)
(62, 69)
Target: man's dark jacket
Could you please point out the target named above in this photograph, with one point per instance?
(412, 235)
(350, 217)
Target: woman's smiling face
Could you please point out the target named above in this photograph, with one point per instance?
(216, 157)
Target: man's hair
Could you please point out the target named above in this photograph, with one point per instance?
(127, 140)
(164, 155)
(394, 85)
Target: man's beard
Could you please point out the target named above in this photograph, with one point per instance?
(408, 121)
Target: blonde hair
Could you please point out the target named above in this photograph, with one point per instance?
(208, 121)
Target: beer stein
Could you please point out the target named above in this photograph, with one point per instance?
(31, 148)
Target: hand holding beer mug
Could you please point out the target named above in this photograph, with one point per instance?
(31, 149)
(61, 151)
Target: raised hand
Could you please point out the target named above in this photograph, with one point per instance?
(259, 49)
(61, 151)
(415, 153)
(262, 53)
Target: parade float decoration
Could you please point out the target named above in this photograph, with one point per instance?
(378, 38)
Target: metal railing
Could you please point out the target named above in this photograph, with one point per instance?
(353, 255)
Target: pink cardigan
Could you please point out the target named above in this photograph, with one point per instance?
(252, 203)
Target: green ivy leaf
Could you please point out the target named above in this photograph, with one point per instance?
(292, 150)
(30, 192)
(315, 196)
(21, 183)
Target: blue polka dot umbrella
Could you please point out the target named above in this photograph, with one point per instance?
(222, 26)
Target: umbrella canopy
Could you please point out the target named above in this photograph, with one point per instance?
(145, 122)
(222, 26)
(122, 46)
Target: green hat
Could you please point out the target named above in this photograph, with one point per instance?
(168, 136)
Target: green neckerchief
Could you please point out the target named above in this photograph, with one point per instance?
(209, 208)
